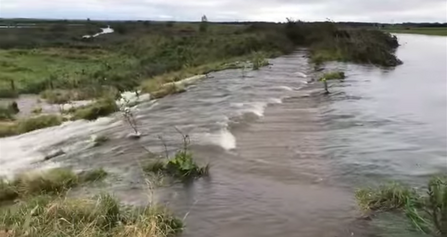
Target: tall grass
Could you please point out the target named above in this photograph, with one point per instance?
(97, 217)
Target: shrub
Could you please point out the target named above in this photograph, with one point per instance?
(39, 122)
(100, 108)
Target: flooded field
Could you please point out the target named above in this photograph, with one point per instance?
(285, 158)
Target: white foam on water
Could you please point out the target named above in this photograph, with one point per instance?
(301, 74)
(224, 138)
(286, 88)
(22, 152)
(257, 108)
(275, 101)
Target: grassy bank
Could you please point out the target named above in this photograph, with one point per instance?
(441, 31)
(35, 204)
(54, 56)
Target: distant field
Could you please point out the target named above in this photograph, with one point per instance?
(419, 30)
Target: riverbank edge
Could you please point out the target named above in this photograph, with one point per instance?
(156, 88)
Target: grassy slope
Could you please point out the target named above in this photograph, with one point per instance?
(441, 31)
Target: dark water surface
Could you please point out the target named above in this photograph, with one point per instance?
(285, 159)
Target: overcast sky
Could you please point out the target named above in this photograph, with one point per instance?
(230, 10)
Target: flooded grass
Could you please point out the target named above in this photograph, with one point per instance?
(93, 175)
(333, 76)
(427, 213)
(38, 122)
(100, 108)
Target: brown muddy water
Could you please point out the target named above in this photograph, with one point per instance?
(285, 159)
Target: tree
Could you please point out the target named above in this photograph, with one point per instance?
(204, 24)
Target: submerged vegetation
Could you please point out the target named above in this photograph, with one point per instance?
(182, 166)
(427, 213)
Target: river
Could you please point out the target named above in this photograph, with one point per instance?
(285, 158)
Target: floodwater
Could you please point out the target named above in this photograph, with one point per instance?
(285, 158)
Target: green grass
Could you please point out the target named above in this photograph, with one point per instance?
(427, 213)
(440, 31)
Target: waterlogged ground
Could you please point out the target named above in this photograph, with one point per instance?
(285, 159)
